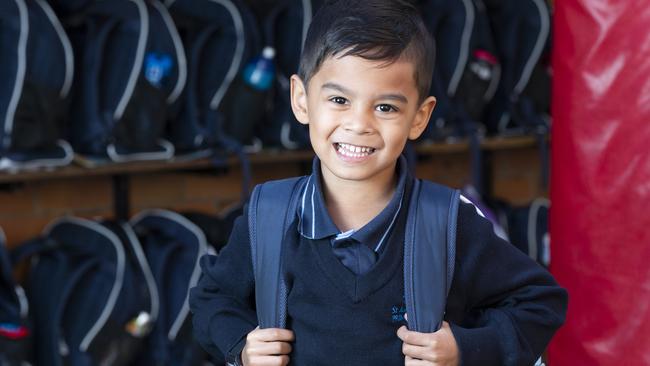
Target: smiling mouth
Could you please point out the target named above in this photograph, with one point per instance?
(353, 151)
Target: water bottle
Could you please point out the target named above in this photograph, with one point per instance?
(260, 71)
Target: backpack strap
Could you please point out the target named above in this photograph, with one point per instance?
(192, 90)
(432, 217)
(143, 38)
(429, 253)
(31, 248)
(65, 45)
(181, 60)
(275, 204)
(19, 82)
(532, 229)
(94, 54)
(235, 64)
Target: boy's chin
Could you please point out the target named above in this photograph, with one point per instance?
(345, 171)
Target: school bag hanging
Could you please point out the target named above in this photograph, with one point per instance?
(131, 68)
(36, 69)
(219, 36)
(522, 35)
(450, 24)
(528, 224)
(173, 246)
(527, 227)
(215, 228)
(466, 70)
(428, 264)
(482, 72)
(285, 29)
(91, 292)
(15, 332)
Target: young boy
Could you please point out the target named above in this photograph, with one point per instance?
(362, 89)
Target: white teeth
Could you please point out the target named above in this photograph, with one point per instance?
(354, 151)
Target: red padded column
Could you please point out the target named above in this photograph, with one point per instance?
(600, 184)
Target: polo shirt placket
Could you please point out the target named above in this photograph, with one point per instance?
(357, 249)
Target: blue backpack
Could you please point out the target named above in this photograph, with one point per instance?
(92, 294)
(173, 246)
(480, 78)
(527, 228)
(466, 72)
(522, 34)
(285, 29)
(219, 36)
(36, 69)
(15, 332)
(131, 69)
(429, 250)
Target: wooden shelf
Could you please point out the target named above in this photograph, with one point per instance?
(509, 143)
(263, 157)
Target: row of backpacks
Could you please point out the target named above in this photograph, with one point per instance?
(111, 293)
(492, 72)
(122, 80)
(106, 292)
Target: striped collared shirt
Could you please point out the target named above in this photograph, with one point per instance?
(357, 248)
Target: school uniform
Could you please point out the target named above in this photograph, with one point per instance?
(346, 289)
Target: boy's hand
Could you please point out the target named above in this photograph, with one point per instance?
(267, 347)
(439, 348)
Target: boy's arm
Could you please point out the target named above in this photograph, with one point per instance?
(223, 300)
(503, 307)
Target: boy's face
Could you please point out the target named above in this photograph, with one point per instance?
(360, 114)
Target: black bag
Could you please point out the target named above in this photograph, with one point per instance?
(216, 228)
(482, 71)
(131, 67)
(466, 70)
(522, 34)
(36, 69)
(285, 29)
(173, 246)
(527, 228)
(450, 26)
(219, 37)
(15, 332)
(92, 294)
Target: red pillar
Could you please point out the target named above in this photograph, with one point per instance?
(600, 184)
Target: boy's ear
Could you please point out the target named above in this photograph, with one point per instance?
(299, 99)
(422, 118)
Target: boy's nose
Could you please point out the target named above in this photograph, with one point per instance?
(359, 122)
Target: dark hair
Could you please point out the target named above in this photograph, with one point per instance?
(378, 30)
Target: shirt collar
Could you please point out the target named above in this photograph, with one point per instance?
(315, 222)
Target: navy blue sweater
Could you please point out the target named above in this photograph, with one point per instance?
(503, 308)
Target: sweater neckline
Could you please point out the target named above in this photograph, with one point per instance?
(359, 287)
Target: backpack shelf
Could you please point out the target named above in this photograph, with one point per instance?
(122, 172)
(263, 157)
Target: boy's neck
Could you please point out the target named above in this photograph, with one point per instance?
(352, 204)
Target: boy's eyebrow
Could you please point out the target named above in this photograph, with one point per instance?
(398, 97)
(337, 87)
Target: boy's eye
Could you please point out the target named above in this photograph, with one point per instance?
(386, 108)
(338, 100)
